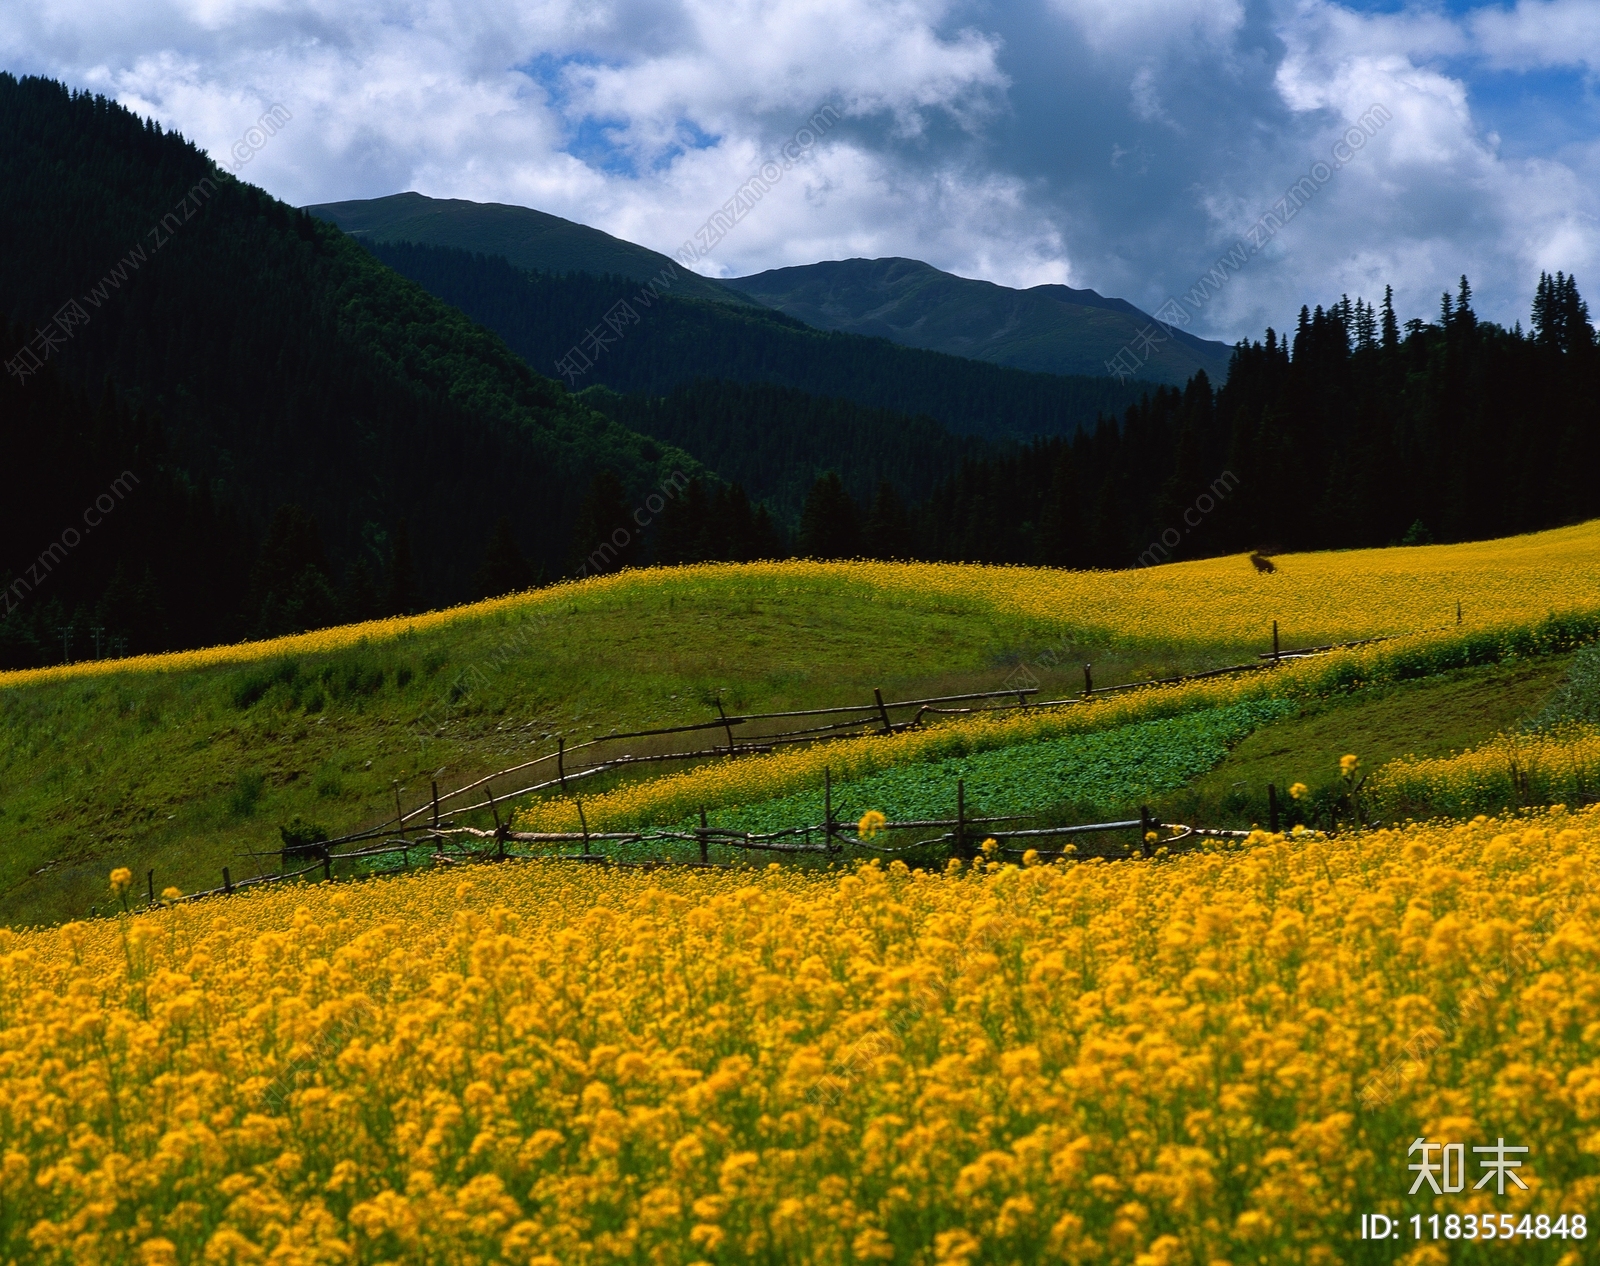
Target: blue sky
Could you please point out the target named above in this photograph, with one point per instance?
(1122, 145)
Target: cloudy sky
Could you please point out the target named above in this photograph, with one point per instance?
(1117, 144)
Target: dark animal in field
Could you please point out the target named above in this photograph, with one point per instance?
(1261, 561)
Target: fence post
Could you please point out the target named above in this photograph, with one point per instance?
(435, 804)
(1458, 612)
(961, 817)
(399, 818)
(561, 762)
(728, 729)
(1275, 655)
(705, 857)
(327, 866)
(499, 831)
(150, 879)
(827, 805)
(1146, 825)
(1272, 808)
(227, 881)
(883, 712)
(1088, 681)
(584, 823)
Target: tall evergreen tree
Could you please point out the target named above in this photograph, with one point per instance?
(830, 526)
(504, 568)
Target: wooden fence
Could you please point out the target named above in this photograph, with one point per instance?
(442, 840)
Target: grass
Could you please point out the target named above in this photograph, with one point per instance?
(1433, 717)
(185, 772)
(182, 765)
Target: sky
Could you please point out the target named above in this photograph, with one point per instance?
(1121, 145)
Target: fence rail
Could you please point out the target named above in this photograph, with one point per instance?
(859, 719)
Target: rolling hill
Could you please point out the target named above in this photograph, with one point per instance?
(1046, 329)
(527, 238)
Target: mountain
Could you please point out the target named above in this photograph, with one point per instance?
(1048, 329)
(527, 238)
(256, 357)
(658, 341)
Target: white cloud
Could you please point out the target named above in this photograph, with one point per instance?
(1118, 144)
(1539, 33)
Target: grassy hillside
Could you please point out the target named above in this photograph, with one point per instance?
(1048, 329)
(185, 763)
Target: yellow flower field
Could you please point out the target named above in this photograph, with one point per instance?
(1513, 769)
(1214, 1058)
(1317, 598)
(672, 798)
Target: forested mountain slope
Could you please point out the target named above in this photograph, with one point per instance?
(268, 359)
(653, 349)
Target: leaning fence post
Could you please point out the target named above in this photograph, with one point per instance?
(1146, 825)
(584, 823)
(1275, 654)
(561, 762)
(150, 879)
(1088, 681)
(883, 712)
(701, 833)
(435, 804)
(327, 865)
(499, 831)
(1272, 808)
(827, 805)
(227, 880)
(726, 727)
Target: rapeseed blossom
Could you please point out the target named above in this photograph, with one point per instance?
(1214, 1057)
(1316, 598)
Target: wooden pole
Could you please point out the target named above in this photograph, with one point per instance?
(435, 804)
(561, 762)
(327, 865)
(1272, 808)
(726, 727)
(499, 831)
(704, 855)
(1088, 681)
(584, 823)
(1458, 613)
(1146, 825)
(1275, 654)
(961, 817)
(150, 879)
(399, 817)
(883, 712)
(827, 804)
(227, 880)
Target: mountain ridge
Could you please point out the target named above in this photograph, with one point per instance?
(1048, 328)
(528, 238)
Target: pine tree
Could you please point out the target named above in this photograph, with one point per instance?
(504, 568)
(1391, 329)
(830, 525)
(888, 532)
(604, 536)
(402, 595)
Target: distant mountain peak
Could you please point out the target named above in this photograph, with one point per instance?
(1048, 328)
